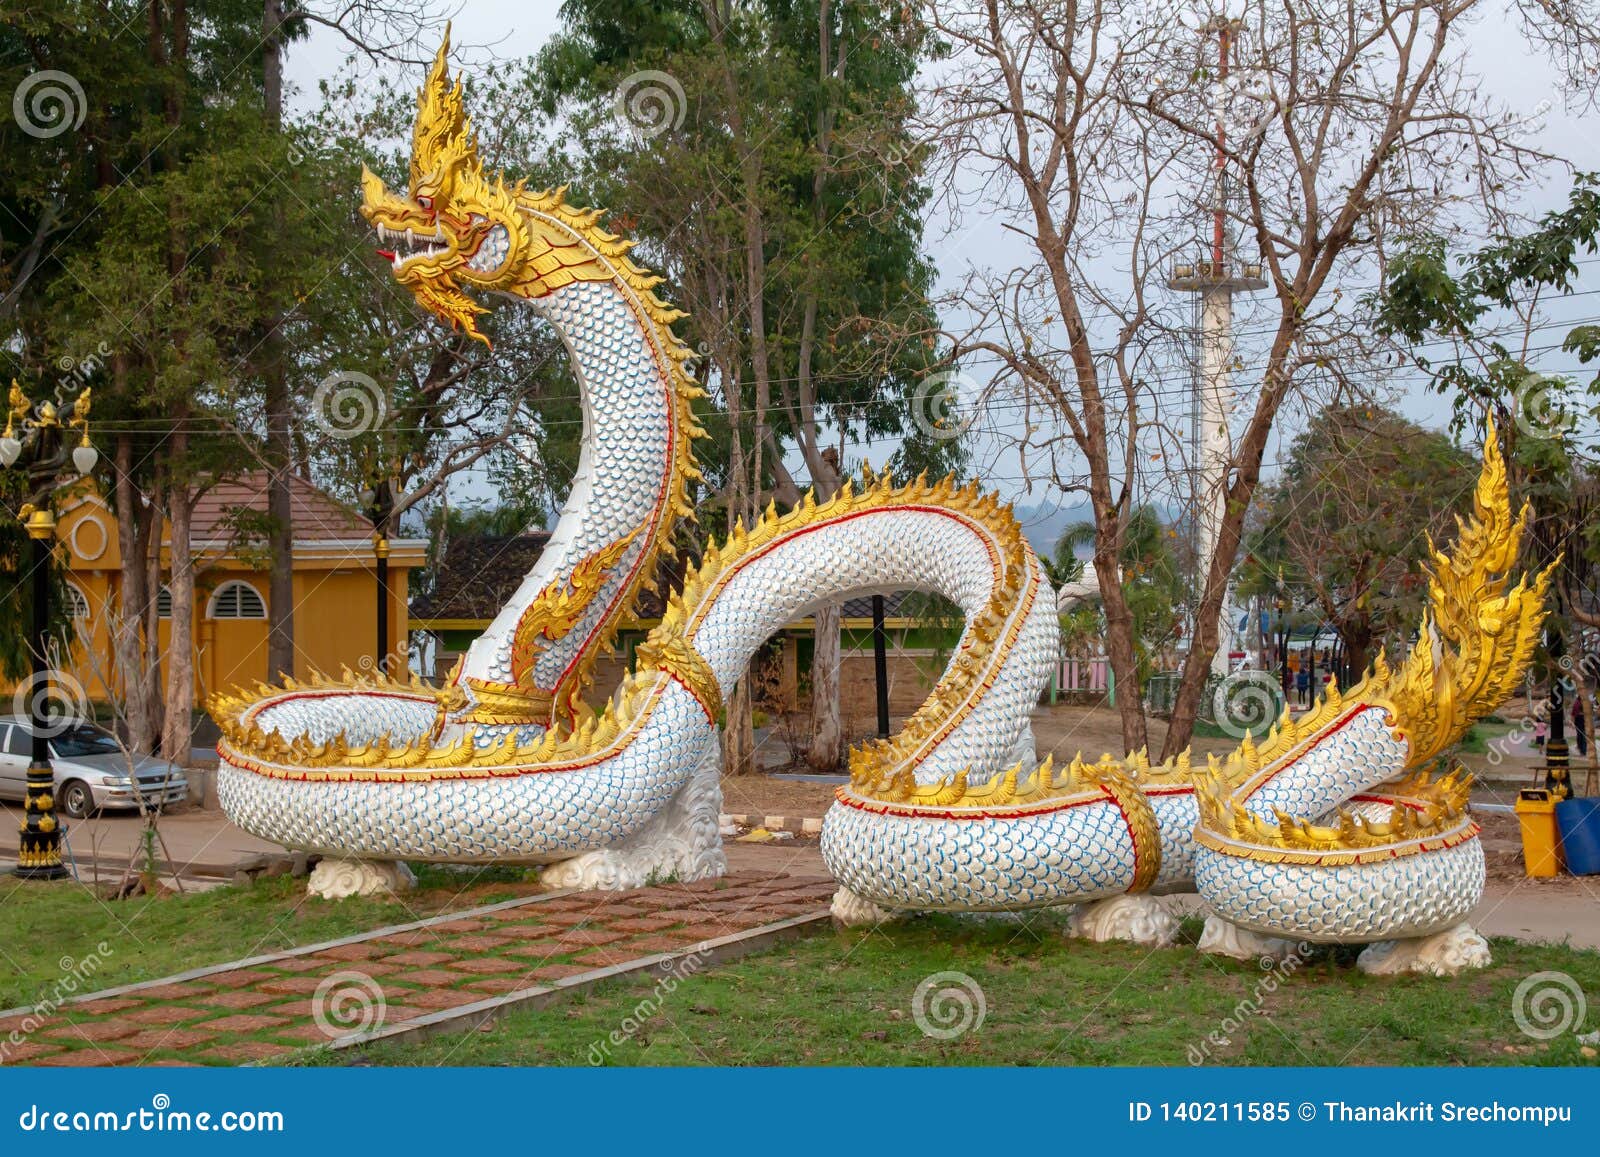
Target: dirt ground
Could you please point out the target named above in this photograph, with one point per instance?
(764, 796)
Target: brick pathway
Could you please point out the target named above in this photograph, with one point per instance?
(268, 1007)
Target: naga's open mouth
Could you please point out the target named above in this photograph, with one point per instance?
(408, 244)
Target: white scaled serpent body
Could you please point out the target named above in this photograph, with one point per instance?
(955, 813)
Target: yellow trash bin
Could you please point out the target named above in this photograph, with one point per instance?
(1541, 847)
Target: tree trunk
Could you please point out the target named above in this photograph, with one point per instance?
(1247, 473)
(828, 740)
(151, 669)
(177, 734)
(827, 751)
(738, 736)
(738, 729)
(278, 405)
(1356, 638)
(1121, 650)
(128, 609)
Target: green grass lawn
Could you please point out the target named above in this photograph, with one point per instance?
(50, 927)
(846, 999)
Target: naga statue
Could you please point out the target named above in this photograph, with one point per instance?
(1336, 827)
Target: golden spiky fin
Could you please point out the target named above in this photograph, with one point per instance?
(441, 125)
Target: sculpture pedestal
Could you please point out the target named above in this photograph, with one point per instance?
(1224, 938)
(1443, 954)
(852, 911)
(1139, 919)
(337, 879)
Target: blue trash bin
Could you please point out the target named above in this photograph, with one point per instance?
(1578, 821)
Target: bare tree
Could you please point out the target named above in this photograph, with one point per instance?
(1093, 131)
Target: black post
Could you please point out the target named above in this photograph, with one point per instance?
(1283, 653)
(880, 665)
(39, 853)
(1557, 779)
(382, 505)
(382, 547)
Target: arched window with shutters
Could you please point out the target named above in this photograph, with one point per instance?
(164, 603)
(237, 600)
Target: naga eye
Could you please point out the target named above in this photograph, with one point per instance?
(425, 202)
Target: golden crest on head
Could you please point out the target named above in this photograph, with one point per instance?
(454, 229)
(442, 136)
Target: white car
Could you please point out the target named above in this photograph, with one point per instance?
(91, 772)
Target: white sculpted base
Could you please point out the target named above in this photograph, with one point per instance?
(852, 911)
(1138, 918)
(1444, 953)
(335, 879)
(1224, 938)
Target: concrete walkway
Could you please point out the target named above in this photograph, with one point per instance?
(200, 843)
(448, 972)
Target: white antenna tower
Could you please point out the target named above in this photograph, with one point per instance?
(1214, 280)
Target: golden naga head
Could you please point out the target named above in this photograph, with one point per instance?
(455, 229)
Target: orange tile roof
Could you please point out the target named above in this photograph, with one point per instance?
(315, 515)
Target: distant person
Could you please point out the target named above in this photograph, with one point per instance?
(1580, 725)
(1541, 731)
(1302, 686)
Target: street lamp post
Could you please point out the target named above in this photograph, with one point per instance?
(379, 501)
(1557, 776)
(1283, 637)
(43, 451)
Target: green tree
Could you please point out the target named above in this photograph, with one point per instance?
(775, 181)
(1485, 306)
(1152, 579)
(1346, 525)
(197, 259)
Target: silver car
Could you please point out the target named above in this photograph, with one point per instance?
(91, 772)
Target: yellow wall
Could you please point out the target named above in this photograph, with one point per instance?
(335, 619)
(335, 625)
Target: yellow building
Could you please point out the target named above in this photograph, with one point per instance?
(335, 584)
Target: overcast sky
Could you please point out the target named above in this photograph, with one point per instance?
(517, 28)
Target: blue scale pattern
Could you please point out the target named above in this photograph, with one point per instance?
(1065, 857)
(1415, 895)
